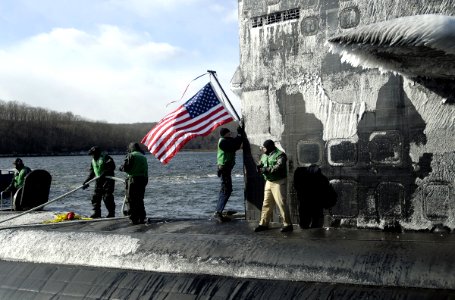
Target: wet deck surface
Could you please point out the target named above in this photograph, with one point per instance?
(203, 258)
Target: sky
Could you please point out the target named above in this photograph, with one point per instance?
(117, 61)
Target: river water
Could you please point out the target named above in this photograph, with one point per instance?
(185, 188)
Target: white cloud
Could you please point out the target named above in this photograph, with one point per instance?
(109, 47)
(56, 55)
(111, 75)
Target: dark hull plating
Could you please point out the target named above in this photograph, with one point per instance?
(201, 257)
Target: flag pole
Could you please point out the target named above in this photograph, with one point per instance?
(213, 73)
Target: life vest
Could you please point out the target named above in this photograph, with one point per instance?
(98, 165)
(269, 161)
(223, 157)
(19, 177)
(139, 166)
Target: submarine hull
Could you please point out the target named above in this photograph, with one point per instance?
(45, 281)
(202, 257)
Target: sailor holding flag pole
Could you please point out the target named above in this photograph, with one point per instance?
(199, 116)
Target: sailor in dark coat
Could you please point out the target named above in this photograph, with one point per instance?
(311, 187)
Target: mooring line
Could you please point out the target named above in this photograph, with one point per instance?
(116, 178)
(60, 197)
(61, 223)
(49, 202)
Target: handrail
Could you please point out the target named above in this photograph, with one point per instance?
(1, 200)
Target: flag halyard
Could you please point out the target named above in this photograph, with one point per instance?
(199, 116)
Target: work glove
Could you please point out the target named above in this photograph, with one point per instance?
(220, 170)
(242, 123)
(85, 185)
(240, 130)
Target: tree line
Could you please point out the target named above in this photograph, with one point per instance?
(27, 130)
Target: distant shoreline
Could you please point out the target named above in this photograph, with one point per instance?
(85, 153)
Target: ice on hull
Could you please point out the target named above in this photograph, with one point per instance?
(413, 46)
(168, 255)
(384, 139)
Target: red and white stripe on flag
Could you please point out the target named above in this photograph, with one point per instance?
(199, 116)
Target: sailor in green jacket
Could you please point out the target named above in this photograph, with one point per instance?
(227, 146)
(102, 165)
(273, 169)
(135, 165)
(19, 177)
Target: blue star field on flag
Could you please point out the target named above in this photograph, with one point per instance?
(203, 101)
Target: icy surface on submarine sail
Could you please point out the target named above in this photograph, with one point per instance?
(406, 38)
(385, 141)
(400, 37)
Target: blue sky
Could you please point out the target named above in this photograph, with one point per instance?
(119, 61)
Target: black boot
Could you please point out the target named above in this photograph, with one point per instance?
(220, 218)
(261, 228)
(96, 214)
(288, 228)
(110, 205)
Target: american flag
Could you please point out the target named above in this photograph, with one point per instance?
(199, 116)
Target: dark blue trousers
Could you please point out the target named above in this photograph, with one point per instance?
(226, 188)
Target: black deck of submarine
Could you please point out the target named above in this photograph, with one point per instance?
(305, 264)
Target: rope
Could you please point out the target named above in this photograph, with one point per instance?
(49, 202)
(184, 92)
(116, 178)
(124, 199)
(33, 225)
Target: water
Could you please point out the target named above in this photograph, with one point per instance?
(185, 188)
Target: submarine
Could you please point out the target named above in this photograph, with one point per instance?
(361, 89)
(364, 90)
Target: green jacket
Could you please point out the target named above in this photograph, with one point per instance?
(98, 165)
(19, 177)
(274, 165)
(226, 150)
(224, 157)
(104, 165)
(135, 165)
(18, 180)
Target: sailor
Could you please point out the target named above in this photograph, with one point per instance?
(312, 189)
(19, 177)
(273, 168)
(135, 165)
(227, 146)
(102, 165)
